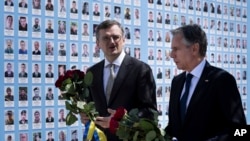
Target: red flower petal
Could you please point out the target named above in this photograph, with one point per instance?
(120, 112)
(59, 81)
(113, 125)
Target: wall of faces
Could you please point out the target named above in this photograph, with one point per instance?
(43, 39)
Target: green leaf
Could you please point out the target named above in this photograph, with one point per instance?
(135, 136)
(122, 134)
(70, 118)
(146, 124)
(88, 78)
(150, 135)
(71, 107)
(69, 88)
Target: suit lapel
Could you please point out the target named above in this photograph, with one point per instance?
(200, 88)
(176, 89)
(99, 89)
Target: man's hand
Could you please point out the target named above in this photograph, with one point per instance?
(104, 121)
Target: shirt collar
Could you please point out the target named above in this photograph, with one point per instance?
(198, 69)
(117, 61)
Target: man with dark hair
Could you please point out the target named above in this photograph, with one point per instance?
(23, 117)
(36, 73)
(9, 118)
(9, 3)
(9, 96)
(50, 138)
(23, 26)
(73, 9)
(49, 94)
(49, 117)
(23, 94)
(49, 28)
(23, 73)
(23, 4)
(62, 51)
(36, 96)
(203, 97)
(9, 72)
(49, 6)
(133, 81)
(49, 73)
(74, 135)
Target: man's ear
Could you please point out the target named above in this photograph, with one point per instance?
(97, 42)
(196, 47)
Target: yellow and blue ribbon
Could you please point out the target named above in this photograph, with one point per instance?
(91, 131)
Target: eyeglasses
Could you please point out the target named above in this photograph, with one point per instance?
(115, 38)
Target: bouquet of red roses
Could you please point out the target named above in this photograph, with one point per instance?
(74, 88)
(130, 126)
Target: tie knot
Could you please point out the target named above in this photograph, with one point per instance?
(189, 76)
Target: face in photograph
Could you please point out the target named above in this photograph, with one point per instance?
(62, 6)
(62, 136)
(107, 11)
(37, 117)
(8, 49)
(137, 33)
(96, 11)
(85, 8)
(49, 6)
(85, 31)
(36, 4)
(23, 137)
(49, 48)
(137, 14)
(23, 94)
(36, 25)
(9, 22)
(23, 26)
(49, 28)
(8, 95)
(62, 27)
(22, 48)
(9, 70)
(9, 120)
(36, 50)
(61, 69)
(23, 119)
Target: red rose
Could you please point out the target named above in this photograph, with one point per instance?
(59, 81)
(113, 125)
(81, 74)
(120, 112)
(69, 74)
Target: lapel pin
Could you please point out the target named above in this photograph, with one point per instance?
(206, 80)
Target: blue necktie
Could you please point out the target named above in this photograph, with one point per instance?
(183, 102)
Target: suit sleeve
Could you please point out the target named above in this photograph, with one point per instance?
(146, 91)
(230, 100)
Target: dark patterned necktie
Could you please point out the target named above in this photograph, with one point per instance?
(183, 102)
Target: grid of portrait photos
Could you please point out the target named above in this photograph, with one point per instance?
(43, 39)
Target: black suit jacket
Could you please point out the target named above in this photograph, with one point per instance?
(49, 75)
(11, 74)
(25, 5)
(49, 120)
(133, 82)
(214, 108)
(38, 75)
(6, 3)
